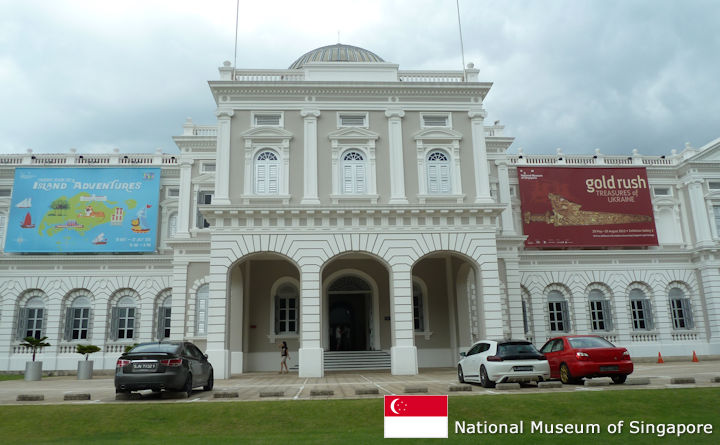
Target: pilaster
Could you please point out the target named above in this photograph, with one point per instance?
(222, 166)
(403, 353)
(701, 224)
(482, 175)
(311, 354)
(397, 168)
(310, 180)
(508, 227)
(185, 199)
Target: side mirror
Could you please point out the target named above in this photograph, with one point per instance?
(205, 356)
(462, 354)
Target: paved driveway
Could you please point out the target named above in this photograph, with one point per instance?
(336, 385)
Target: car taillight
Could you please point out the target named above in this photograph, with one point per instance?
(122, 363)
(626, 355)
(494, 358)
(172, 362)
(582, 356)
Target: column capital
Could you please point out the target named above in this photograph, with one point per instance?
(477, 113)
(185, 162)
(310, 112)
(225, 113)
(501, 163)
(394, 112)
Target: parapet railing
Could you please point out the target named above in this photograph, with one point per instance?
(83, 159)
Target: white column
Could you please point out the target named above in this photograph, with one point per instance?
(490, 305)
(217, 337)
(512, 278)
(310, 173)
(508, 227)
(311, 352)
(710, 286)
(179, 301)
(403, 353)
(397, 168)
(700, 219)
(222, 165)
(185, 199)
(482, 175)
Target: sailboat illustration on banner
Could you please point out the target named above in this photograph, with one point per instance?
(24, 204)
(27, 223)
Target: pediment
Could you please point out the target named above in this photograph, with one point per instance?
(710, 152)
(353, 133)
(435, 134)
(266, 133)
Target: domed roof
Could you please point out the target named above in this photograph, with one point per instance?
(336, 53)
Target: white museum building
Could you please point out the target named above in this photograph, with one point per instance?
(369, 216)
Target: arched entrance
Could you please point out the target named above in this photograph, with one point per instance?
(349, 314)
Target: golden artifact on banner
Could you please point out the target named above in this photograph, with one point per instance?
(567, 213)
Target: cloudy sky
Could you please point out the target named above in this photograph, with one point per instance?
(576, 74)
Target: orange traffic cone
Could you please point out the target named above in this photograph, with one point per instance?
(695, 359)
(660, 360)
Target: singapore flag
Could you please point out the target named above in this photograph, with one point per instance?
(416, 416)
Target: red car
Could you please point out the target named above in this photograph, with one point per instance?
(573, 357)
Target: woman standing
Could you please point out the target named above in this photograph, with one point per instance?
(284, 356)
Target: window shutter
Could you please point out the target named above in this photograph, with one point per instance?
(649, 325)
(444, 178)
(432, 178)
(114, 324)
(160, 323)
(360, 178)
(260, 178)
(272, 181)
(566, 316)
(608, 315)
(22, 323)
(689, 322)
(68, 323)
(277, 314)
(347, 179)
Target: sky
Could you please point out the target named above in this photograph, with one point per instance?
(579, 75)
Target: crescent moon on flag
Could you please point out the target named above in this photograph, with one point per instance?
(392, 406)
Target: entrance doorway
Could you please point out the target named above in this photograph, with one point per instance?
(349, 314)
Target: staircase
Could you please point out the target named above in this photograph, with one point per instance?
(356, 360)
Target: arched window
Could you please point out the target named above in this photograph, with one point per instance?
(558, 313)
(123, 319)
(31, 319)
(600, 316)
(286, 309)
(641, 310)
(681, 310)
(527, 321)
(353, 173)
(172, 225)
(201, 310)
(163, 318)
(77, 319)
(438, 173)
(267, 167)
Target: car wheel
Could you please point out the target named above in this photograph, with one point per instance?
(484, 379)
(461, 377)
(619, 379)
(565, 375)
(188, 386)
(210, 382)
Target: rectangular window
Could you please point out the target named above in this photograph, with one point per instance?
(4, 193)
(641, 316)
(435, 120)
(714, 185)
(352, 120)
(600, 315)
(287, 315)
(203, 199)
(165, 318)
(267, 119)
(208, 167)
(34, 325)
(526, 325)
(557, 311)
(173, 192)
(80, 322)
(662, 191)
(125, 323)
(716, 215)
(418, 317)
(681, 314)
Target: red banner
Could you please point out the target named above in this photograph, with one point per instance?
(586, 207)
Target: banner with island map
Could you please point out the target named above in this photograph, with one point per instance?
(61, 210)
(586, 207)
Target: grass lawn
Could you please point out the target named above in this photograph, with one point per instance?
(4, 377)
(359, 421)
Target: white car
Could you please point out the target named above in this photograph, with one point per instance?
(488, 362)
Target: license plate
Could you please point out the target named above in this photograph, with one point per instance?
(144, 367)
(522, 368)
(608, 368)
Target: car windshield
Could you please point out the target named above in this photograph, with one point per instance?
(517, 350)
(589, 342)
(157, 347)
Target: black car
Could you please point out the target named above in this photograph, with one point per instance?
(174, 366)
